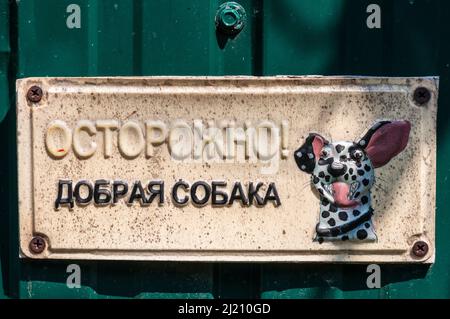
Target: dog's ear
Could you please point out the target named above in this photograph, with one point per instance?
(384, 140)
(306, 155)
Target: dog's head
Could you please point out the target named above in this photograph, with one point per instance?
(343, 172)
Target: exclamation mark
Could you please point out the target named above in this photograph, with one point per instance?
(284, 139)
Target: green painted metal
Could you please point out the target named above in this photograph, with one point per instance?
(178, 37)
(4, 57)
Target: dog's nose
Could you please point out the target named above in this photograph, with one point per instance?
(337, 169)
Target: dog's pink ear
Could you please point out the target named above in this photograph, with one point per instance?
(317, 145)
(385, 140)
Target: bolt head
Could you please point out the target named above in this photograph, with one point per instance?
(34, 94)
(422, 95)
(37, 245)
(230, 18)
(420, 249)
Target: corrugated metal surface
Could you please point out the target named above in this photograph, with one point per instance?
(178, 38)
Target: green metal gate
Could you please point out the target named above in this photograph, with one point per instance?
(178, 37)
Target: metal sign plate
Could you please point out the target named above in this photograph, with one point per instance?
(227, 169)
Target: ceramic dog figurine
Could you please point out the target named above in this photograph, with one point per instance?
(343, 174)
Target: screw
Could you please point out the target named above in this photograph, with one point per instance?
(37, 245)
(420, 248)
(230, 18)
(34, 94)
(422, 95)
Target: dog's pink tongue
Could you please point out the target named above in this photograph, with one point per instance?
(340, 194)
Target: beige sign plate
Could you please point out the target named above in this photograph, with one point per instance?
(225, 168)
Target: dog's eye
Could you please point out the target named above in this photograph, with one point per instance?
(357, 155)
(324, 153)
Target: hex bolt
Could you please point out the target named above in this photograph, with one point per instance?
(420, 249)
(34, 94)
(422, 95)
(230, 18)
(37, 245)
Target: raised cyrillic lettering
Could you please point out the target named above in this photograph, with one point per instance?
(154, 138)
(107, 126)
(102, 196)
(58, 139)
(60, 200)
(218, 197)
(138, 193)
(131, 139)
(238, 194)
(253, 194)
(206, 191)
(156, 188)
(82, 146)
(120, 189)
(272, 194)
(77, 192)
(176, 199)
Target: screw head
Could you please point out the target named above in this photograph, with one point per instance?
(422, 95)
(420, 249)
(37, 245)
(34, 94)
(230, 18)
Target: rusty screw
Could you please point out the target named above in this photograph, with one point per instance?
(420, 249)
(34, 94)
(37, 245)
(422, 95)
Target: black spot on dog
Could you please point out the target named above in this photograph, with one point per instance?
(325, 214)
(320, 240)
(361, 172)
(343, 216)
(358, 164)
(325, 201)
(327, 178)
(356, 213)
(367, 225)
(346, 177)
(304, 156)
(315, 180)
(350, 170)
(344, 238)
(333, 208)
(321, 174)
(339, 148)
(354, 178)
(365, 182)
(303, 161)
(321, 191)
(361, 234)
(343, 158)
(364, 200)
(367, 168)
(331, 222)
(357, 194)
